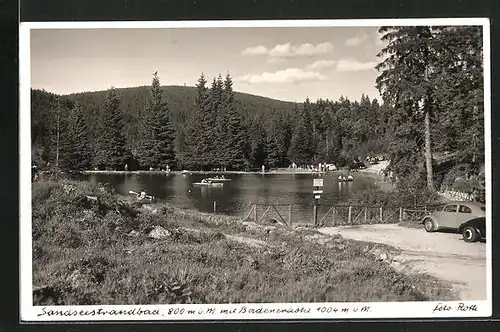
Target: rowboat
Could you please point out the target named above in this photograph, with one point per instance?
(218, 179)
(208, 184)
(345, 179)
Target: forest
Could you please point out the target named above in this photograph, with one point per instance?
(432, 105)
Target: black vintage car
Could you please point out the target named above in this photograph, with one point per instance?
(473, 230)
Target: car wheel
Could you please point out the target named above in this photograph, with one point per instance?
(429, 225)
(470, 234)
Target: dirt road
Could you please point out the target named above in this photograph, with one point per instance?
(442, 255)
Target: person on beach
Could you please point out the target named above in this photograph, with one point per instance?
(126, 167)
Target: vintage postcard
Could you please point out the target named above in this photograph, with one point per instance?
(255, 170)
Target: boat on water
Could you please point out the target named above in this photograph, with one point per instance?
(207, 183)
(349, 178)
(218, 179)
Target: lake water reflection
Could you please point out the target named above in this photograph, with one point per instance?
(235, 196)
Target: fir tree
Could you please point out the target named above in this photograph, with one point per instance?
(220, 104)
(58, 130)
(146, 147)
(406, 80)
(278, 142)
(163, 130)
(111, 150)
(302, 145)
(260, 148)
(460, 80)
(195, 140)
(236, 140)
(209, 135)
(75, 148)
(156, 147)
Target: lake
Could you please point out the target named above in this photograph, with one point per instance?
(235, 196)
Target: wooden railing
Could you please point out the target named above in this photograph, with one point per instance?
(339, 215)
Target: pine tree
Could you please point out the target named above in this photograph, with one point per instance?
(75, 147)
(260, 148)
(204, 149)
(163, 130)
(460, 80)
(302, 144)
(406, 80)
(236, 139)
(278, 141)
(156, 145)
(146, 147)
(195, 144)
(273, 144)
(111, 152)
(58, 128)
(220, 103)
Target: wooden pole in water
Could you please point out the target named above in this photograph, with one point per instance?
(215, 206)
(349, 215)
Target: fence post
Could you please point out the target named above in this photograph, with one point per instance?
(315, 215)
(349, 215)
(255, 212)
(290, 215)
(381, 215)
(333, 216)
(400, 214)
(366, 210)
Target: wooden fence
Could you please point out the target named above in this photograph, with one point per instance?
(281, 213)
(338, 215)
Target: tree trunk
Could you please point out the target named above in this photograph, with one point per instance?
(428, 152)
(58, 134)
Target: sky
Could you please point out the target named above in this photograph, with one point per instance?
(291, 63)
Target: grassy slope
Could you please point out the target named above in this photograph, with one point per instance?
(82, 254)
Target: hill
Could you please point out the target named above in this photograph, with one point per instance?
(181, 100)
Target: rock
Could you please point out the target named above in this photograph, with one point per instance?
(92, 198)
(159, 233)
(176, 288)
(150, 209)
(272, 234)
(339, 246)
(167, 210)
(68, 188)
(133, 233)
(383, 256)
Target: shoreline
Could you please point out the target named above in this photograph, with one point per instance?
(201, 172)
(371, 170)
